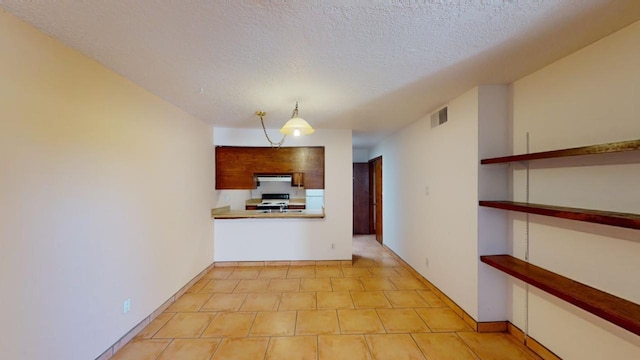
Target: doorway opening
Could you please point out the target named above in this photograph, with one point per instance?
(367, 198)
(375, 196)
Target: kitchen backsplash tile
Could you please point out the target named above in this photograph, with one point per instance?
(277, 188)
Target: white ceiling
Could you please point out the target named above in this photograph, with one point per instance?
(372, 66)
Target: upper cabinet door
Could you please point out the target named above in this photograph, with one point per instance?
(236, 166)
(297, 179)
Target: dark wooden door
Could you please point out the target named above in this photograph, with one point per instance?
(361, 198)
(375, 186)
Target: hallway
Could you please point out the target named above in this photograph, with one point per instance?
(371, 308)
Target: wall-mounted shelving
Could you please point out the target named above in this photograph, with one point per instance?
(625, 220)
(621, 146)
(614, 309)
(621, 312)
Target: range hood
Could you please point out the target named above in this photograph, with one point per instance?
(272, 178)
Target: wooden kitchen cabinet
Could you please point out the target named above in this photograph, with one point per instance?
(297, 179)
(236, 166)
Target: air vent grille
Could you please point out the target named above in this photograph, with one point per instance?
(439, 117)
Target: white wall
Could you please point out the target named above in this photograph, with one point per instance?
(431, 186)
(360, 155)
(106, 193)
(493, 140)
(590, 97)
(430, 197)
(587, 98)
(300, 239)
(235, 199)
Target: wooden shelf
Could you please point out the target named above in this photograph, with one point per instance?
(616, 310)
(621, 146)
(625, 220)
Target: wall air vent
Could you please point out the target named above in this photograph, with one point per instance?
(439, 117)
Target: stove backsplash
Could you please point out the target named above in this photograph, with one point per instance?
(277, 187)
(236, 199)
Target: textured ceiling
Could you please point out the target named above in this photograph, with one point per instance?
(372, 66)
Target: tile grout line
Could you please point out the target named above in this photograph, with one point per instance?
(425, 322)
(380, 275)
(386, 331)
(444, 298)
(418, 346)
(214, 351)
(163, 325)
(266, 350)
(468, 346)
(165, 349)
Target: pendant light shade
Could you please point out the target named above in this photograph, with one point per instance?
(297, 126)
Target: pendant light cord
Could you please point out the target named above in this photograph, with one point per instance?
(273, 144)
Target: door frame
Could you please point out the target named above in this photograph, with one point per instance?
(375, 197)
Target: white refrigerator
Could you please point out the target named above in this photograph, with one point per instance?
(314, 199)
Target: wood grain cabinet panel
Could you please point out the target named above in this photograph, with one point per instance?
(297, 179)
(237, 167)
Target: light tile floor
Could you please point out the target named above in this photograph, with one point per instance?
(370, 308)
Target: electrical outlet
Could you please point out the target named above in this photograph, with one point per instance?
(426, 261)
(426, 190)
(126, 306)
(333, 246)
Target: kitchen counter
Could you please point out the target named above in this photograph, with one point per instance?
(226, 213)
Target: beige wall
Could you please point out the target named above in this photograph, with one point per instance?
(439, 223)
(431, 186)
(589, 97)
(105, 193)
(309, 239)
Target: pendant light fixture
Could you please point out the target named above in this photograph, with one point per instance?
(296, 126)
